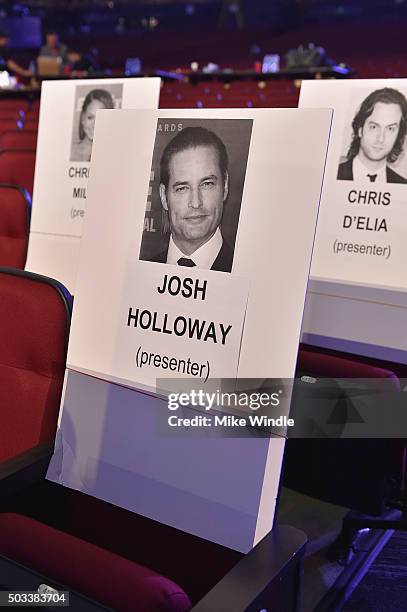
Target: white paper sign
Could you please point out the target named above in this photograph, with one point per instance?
(358, 266)
(199, 271)
(67, 119)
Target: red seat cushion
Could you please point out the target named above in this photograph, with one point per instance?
(97, 573)
(14, 211)
(33, 332)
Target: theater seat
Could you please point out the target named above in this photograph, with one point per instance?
(11, 116)
(322, 364)
(97, 553)
(19, 106)
(14, 226)
(17, 168)
(31, 122)
(18, 139)
(358, 473)
(97, 573)
(34, 326)
(10, 124)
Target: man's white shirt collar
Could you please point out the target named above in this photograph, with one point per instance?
(360, 172)
(203, 257)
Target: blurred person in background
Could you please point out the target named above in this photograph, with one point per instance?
(79, 64)
(53, 47)
(6, 60)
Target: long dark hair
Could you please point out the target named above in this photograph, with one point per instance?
(101, 95)
(387, 95)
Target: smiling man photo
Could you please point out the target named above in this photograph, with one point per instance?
(379, 130)
(194, 186)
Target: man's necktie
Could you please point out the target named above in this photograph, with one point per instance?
(372, 177)
(185, 261)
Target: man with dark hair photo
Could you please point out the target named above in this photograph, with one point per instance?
(379, 129)
(194, 184)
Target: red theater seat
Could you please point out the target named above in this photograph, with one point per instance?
(19, 139)
(13, 105)
(31, 123)
(333, 366)
(34, 320)
(35, 105)
(17, 168)
(352, 472)
(365, 473)
(34, 324)
(10, 115)
(99, 574)
(10, 124)
(14, 226)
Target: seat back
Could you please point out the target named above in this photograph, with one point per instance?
(18, 139)
(17, 168)
(325, 365)
(13, 105)
(15, 207)
(34, 323)
(10, 123)
(353, 472)
(31, 122)
(11, 115)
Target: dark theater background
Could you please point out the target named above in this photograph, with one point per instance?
(344, 500)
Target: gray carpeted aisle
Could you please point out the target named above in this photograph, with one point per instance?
(384, 587)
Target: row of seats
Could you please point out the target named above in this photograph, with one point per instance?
(53, 531)
(48, 534)
(39, 526)
(18, 139)
(17, 168)
(24, 104)
(365, 464)
(239, 94)
(18, 143)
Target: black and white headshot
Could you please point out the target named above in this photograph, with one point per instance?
(194, 189)
(378, 134)
(88, 100)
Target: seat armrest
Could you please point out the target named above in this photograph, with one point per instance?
(17, 577)
(25, 469)
(268, 577)
(260, 578)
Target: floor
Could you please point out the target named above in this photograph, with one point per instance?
(384, 587)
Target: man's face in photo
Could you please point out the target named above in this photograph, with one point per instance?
(380, 131)
(195, 195)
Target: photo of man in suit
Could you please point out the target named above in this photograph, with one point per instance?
(194, 186)
(379, 129)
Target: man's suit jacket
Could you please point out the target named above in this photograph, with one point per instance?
(222, 263)
(345, 173)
